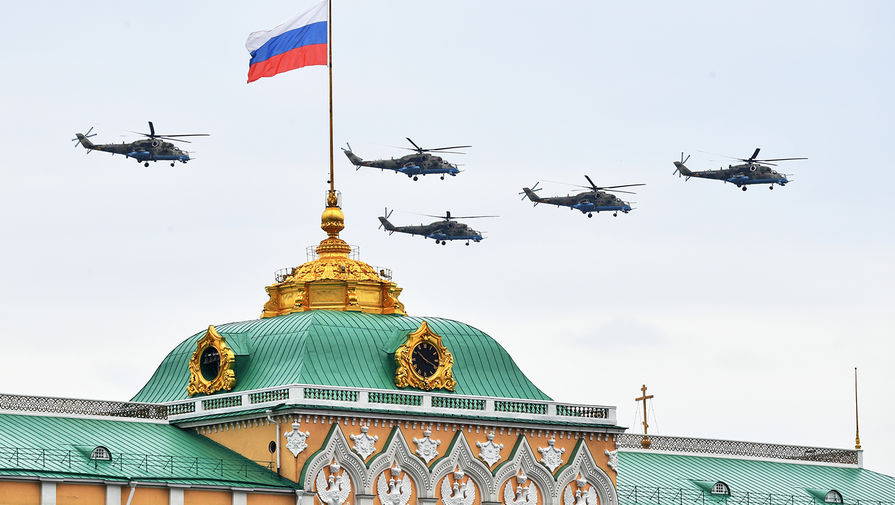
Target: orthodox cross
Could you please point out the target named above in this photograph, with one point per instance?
(645, 443)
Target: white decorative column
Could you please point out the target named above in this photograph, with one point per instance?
(240, 498)
(363, 499)
(113, 494)
(175, 496)
(47, 493)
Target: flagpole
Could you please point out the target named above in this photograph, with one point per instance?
(329, 45)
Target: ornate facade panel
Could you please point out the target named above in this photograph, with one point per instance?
(335, 450)
(520, 490)
(396, 451)
(394, 487)
(523, 460)
(459, 456)
(582, 473)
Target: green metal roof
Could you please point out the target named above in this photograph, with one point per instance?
(682, 479)
(348, 349)
(60, 447)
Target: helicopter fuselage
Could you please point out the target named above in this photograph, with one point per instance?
(410, 165)
(141, 150)
(741, 176)
(586, 202)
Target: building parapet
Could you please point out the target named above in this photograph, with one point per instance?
(741, 449)
(388, 401)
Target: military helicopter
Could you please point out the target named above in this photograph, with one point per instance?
(144, 150)
(442, 231)
(596, 199)
(412, 165)
(752, 171)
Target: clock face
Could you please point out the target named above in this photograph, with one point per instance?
(424, 359)
(210, 363)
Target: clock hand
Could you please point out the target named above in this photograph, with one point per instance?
(427, 361)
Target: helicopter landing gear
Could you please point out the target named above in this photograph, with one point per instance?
(145, 163)
(172, 163)
(745, 188)
(442, 177)
(443, 242)
(771, 187)
(467, 242)
(415, 177)
(590, 215)
(615, 214)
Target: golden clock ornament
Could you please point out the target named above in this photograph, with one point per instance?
(423, 362)
(212, 365)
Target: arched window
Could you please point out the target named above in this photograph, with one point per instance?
(721, 488)
(101, 454)
(833, 497)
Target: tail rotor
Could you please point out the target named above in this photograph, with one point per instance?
(384, 219)
(677, 168)
(87, 135)
(534, 189)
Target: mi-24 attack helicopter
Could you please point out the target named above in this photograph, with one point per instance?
(596, 199)
(422, 162)
(752, 171)
(153, 148)
(447, 228)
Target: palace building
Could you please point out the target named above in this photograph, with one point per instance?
(335, 396)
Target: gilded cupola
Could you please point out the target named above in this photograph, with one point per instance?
(333, 281)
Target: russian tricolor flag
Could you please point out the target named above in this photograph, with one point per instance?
(297, 42)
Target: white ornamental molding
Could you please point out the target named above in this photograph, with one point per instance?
(427, 448)
(396, 452)
(524, 492)
(335, 489)
(296, 441)
(490, 452)
(364, 444)
(579, 492)
(551, 457)
(335, 449)
(457, 489)
(395, 490)
(523, 459)
(462, 456)
(613, 459)
(582, 467)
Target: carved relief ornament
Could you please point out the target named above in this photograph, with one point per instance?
(212, 366)
(405, 373)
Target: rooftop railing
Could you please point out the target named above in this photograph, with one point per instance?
(391, 401)
(736, 448)
(83, 407)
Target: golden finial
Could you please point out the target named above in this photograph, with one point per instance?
(646, 442)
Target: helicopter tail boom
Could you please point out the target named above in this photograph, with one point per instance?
(530, 193)
(386, 224)
(680, 167)
(353, 158)
(84, 141)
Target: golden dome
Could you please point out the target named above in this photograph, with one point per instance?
(333, 281)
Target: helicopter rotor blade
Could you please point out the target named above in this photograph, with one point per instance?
(418, 148)
(443, 148)
(592, 185)
(779, 159)
(173, 139)
(755, 154)
(618, 191)
(151, 129)
(621, 186)
(185, 135)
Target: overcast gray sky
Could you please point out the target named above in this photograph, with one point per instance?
(744, 313)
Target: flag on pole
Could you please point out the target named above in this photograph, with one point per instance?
(297, 42)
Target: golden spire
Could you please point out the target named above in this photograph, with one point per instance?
(857, 431)
(333, 281)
